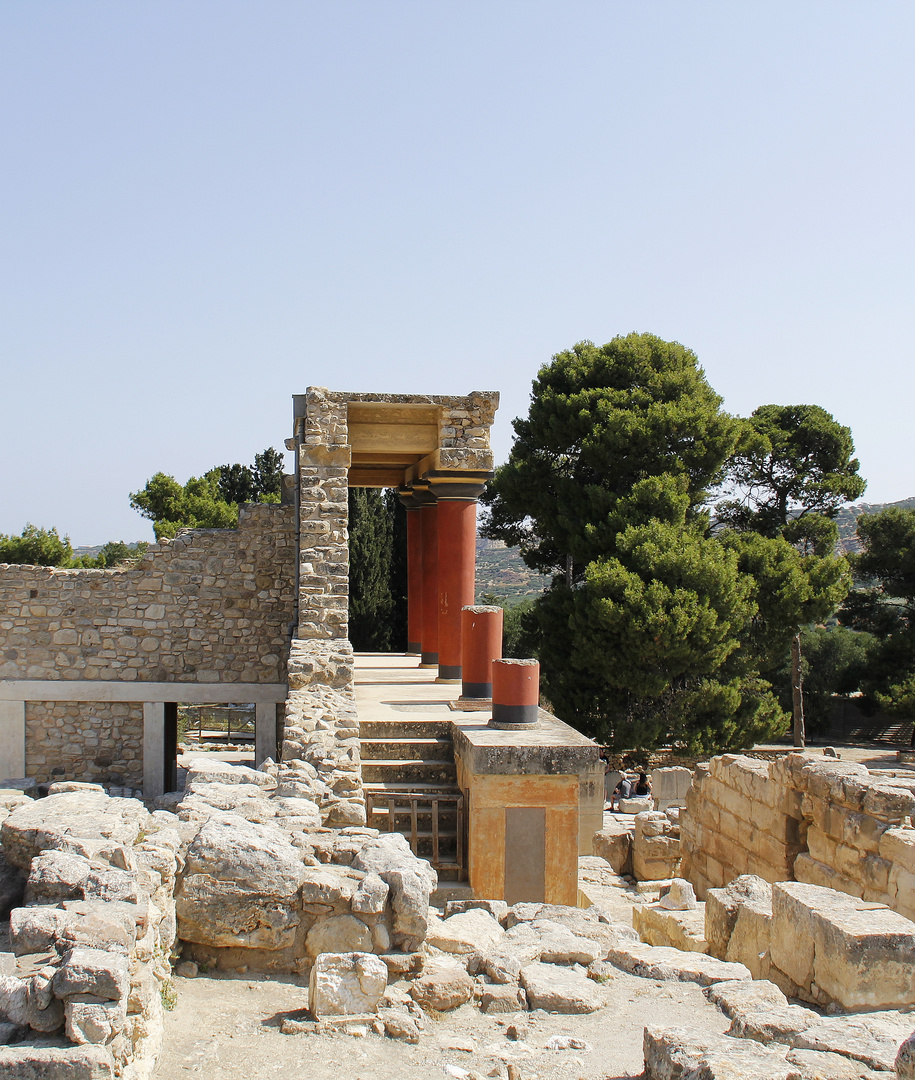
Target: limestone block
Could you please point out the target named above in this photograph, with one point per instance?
(675, 1053)
(678, 929)
(636, 805)
(338, 934)
(898, 846)
(679, 896)
(239, 886)
(614, 843)
(871, 1038)
(93, 971)
(371, 896)
(497, 908)
(52, 1062)
(656, 859)
(503, 998)
(466, 932)
(93, 1020)
(841, 949)
(411, 881)
(442, 986)
(558, 944)
(905, 1059)
(672, 965)
(29, 1002)
(670, 785)
(346, 984)
(560, 990)
(501, 966)
(759, 1010)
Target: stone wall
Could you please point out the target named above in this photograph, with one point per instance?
(212, 605)
(804, 818)
(96, 741)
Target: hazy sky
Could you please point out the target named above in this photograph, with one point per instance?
(208, 206)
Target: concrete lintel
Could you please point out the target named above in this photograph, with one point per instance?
(182, 692)
(12, 740)
(547, 748)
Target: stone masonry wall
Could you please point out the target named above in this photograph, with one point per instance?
(212, 605)
(804, 818)
(99, 741)
(321, 727)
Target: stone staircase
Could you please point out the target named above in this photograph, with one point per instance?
(410, 783)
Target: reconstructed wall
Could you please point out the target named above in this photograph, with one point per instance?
(804, 818)
(96, 741)
(211, 607)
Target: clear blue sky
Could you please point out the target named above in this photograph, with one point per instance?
(209, 205)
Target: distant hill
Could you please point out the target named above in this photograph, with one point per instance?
(501, 572)
(847, 521)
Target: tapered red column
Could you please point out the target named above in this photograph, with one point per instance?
(457, 533)
(414, 575)
(481, 629)
(429, 549)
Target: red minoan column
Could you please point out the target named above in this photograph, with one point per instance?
(481, 643)
(414, 574)
(515, 692)
(457, 538)
(429, 548)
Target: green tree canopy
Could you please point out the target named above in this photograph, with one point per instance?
(602, 420)
(36, 547)
(377, 571)
(884, 605)
(210, 501)
(663, 628)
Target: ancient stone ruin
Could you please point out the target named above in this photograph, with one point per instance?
(780, 891)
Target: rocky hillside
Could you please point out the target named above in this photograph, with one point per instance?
(848, 521)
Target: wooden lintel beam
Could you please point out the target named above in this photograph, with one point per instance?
(360, 476)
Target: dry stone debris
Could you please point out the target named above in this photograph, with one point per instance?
(659, 962)
(443, 985)
(348, 983)
(760, 1011)
(559, 989)
(471, 931)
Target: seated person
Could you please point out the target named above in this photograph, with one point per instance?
(643, 787)
(623, 790)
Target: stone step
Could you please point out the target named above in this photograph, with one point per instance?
(425, 749)
(407, 772)
(405, 728)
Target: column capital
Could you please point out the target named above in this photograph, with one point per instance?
(457, 486)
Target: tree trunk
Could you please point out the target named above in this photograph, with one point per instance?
(797, 691)
(570, 573)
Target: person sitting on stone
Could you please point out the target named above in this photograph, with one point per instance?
(623, 790)
(643, 787)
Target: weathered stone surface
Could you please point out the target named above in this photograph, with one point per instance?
(560, 945)
(371, 896)
(339, 934)
(560, 990)
(497, 908)
(817, 1065)
(346, 984)
(104, 974)
(655, 847)
(658, 925)
(503, 998)
(210, 771)
(239, 886)
(92, 1020)
(841, 949)
(679, 1054)
(680, 896)
(466, 932)
(905, 1059)
(399, 1025)
(655, 962)
(501, 966)
(443, 985)
(411, 881)
(737, 923)
(760, 1011)
(614, 843)
(38, 825)
(30, 1003)
(56, 1063)
(872, 1038)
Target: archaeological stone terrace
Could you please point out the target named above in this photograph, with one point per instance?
(772, 899)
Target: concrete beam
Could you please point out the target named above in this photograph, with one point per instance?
(264, 732)
(12, 740)
(181, 692)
